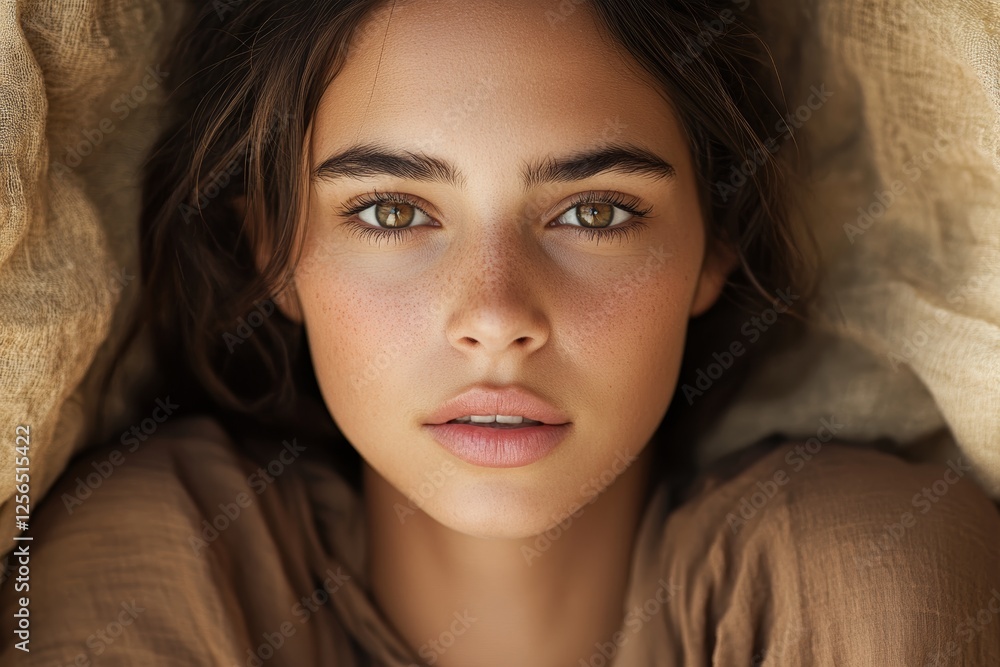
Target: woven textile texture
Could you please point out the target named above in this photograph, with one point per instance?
(80, 93)
(898, 100)
(899, 105)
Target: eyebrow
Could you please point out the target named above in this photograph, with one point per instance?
(372, 159)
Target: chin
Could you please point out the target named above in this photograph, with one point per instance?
(499, 513)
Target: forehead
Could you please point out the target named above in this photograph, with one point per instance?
(491, 78)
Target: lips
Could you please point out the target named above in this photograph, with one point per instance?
(499, 425)
(497, 448)
(511, 400)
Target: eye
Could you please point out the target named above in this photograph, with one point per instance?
(605, 215)
(595, 215)
(390, 213)
(386, 216)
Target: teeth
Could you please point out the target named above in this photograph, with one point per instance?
(484, 419)
(500, 419)
(504, 419)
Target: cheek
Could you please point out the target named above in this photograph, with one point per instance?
(631, 329)
(360, 336)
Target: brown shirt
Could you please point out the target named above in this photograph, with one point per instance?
(187, 551)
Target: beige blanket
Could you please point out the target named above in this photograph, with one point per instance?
(80, 93)
(906, 201)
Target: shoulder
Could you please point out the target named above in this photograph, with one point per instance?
(165, 469)
(800, 460)
(799, 485)
(119, 530)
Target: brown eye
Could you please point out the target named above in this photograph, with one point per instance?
(595, 214)
(390, 211)
(394, 214)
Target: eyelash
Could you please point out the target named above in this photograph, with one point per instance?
(621, 231)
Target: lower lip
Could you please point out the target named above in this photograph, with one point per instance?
(499, 448)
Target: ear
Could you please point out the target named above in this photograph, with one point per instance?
(287, 300)
(720, 261)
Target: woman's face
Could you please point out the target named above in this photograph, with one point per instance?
(495, 277)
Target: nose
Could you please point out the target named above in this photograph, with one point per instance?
(497, 306)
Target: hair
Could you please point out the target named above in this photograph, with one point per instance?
(247, 77)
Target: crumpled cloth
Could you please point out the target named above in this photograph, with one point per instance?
(81, 84)
(905, 201)
(910, 349)
(201, 551)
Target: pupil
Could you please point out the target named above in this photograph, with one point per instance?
(389, 214)
(596, 215)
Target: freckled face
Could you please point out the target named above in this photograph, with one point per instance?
(579, 289)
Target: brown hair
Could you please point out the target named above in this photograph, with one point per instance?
(249, 76)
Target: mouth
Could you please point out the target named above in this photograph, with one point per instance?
(497, 421)
(483, 409)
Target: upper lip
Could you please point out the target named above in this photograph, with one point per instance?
(509, 400)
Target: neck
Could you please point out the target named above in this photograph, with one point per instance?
(542, 601)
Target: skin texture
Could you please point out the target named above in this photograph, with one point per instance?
(490, 290)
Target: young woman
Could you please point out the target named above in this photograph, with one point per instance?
(420, 275)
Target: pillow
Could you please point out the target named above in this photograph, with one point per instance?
(78, 109)
(905, 203)
(899, 104)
